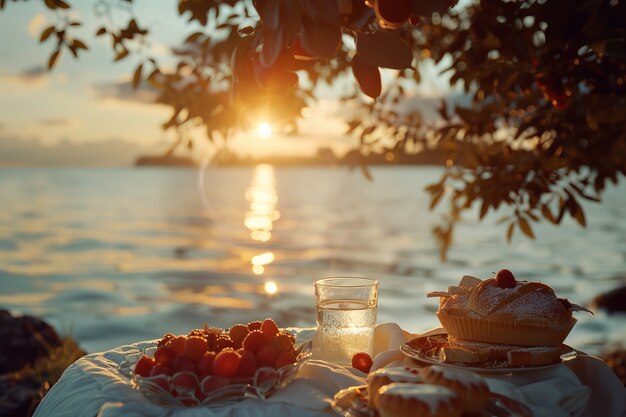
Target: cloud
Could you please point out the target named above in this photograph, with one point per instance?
(33, 153)
(59, 122)
(125, 91)
(36, 25)
(31, 77)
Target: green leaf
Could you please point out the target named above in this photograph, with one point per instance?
(137, 75)
(366, 171)
(53, 58)
(509, 231)
(503, 219)
(532, 216)
(576, 211)
(270, 14)
(484, 208)
(384, 49)
(320, 37)
(547, 214)
(56, 4)
(79, 44)
(436, 198)
(525, 227)
(367, 76)
(193, 37)
(121, 55)
(272, 47)
(46, 33)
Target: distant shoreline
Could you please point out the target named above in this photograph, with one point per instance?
(322, 158)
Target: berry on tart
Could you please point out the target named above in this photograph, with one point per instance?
(505, 279)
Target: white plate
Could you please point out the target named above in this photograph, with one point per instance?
(413, 350)
(352, 402)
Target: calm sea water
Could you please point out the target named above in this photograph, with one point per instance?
(119, 255)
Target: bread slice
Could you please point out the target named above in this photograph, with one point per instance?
(458, 355)
(534, 356)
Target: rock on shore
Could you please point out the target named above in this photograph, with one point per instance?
(32, 359)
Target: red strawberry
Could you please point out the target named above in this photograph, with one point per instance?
(505, 279)
(177, 344)
(166, 338)
(144, 365)
(184, 383)
(254, 341)
(205, 364)
(211, 339)
(362, 361)
(164, 355)
(183, 363)
(266, 356)
(198, 332)
(269, 328)
(237, 333)
(195, 347)
(283, 343)
(247, 365)
(161, 370)
(254, 325)
(284, 358)
(224, 342)
(226, 363)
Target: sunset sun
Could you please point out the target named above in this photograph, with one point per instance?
(264, 130)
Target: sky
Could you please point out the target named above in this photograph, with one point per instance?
(82, 113)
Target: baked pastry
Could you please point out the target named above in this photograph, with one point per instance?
(534, 356)
(513, 355)
(505, 311)
(450, 354)
(386, 376)
(471, 388)
(425, 400)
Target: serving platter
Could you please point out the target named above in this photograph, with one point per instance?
(425, 350)
(352, 402)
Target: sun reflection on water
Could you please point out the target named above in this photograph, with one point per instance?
(271, 288)
(261, 216)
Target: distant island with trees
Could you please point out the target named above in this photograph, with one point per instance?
(323, 157)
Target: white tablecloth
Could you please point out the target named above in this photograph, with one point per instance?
(92, 386)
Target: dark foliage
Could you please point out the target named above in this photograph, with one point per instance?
(544, 127)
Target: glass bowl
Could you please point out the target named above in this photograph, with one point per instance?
(185, 389)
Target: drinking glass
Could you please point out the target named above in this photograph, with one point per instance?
(346, 316)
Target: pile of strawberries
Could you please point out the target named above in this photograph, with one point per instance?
(230, 354)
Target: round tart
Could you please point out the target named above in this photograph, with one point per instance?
(471, 388)
(524, 313)
(425, 400)
(386, 376)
